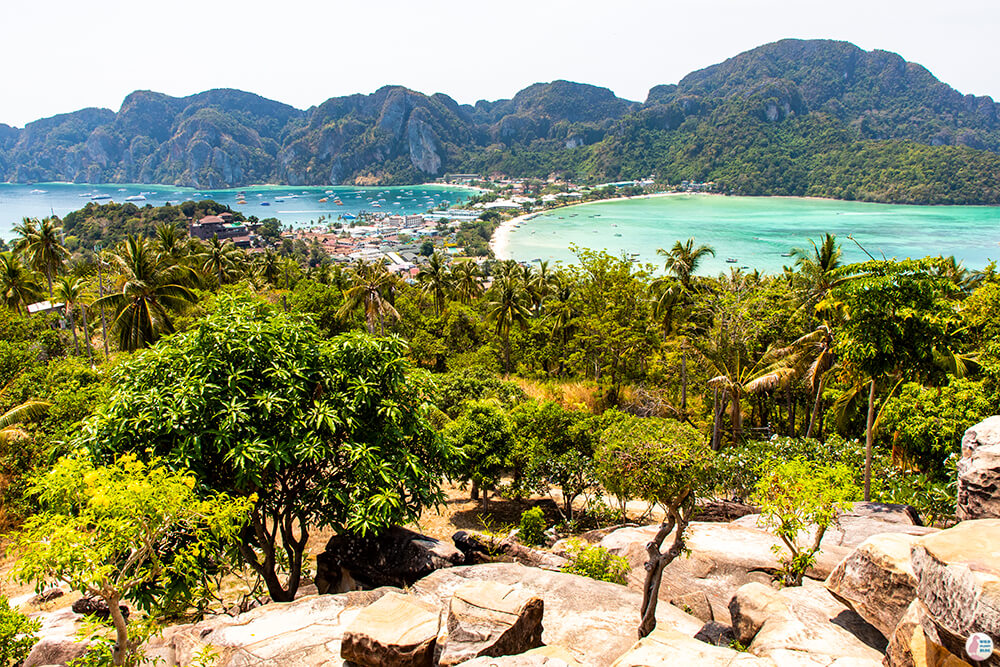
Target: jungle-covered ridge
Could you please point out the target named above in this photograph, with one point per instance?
(795, 117)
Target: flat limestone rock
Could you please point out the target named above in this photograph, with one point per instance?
(543, 656)
(487, 618)
(665, 646)
(302, 633)
(595, 621)
(877, 580)
(803, 625)
(958, 582)
(721, 558)
(395, 630)
(979, 471)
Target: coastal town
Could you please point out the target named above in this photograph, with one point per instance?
(402, 242)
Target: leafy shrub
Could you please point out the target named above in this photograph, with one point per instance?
(927, 424)
(454, 390)
(17, 634)
(596, 562)
(797, 496)
(934, 499)
(482, 435)
(531, 530)
(738, 469)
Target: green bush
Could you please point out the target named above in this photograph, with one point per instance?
(596, 562)
(17, 635)
(531, 530)
(798, 497)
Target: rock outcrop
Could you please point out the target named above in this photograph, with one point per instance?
(979, 472)
(877, 580)
(958, 583)
(721, 558)
(665, 646)
(801, 624)
(595, 621)
(395, 630)
(486, 618)
(397, 557)
(913, 646)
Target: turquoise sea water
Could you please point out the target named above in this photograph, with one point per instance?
(296, 205)
(756, 231)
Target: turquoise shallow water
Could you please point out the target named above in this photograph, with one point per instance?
(756, 231)
(296, 205)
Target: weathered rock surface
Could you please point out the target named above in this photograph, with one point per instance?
(803, 625)
(859, 523)
(912, 646)
(486, 618)
(397, 557)
(302, 633)
(543, 656)
(979, 471)
(596, 621)
(480, 547)
(665, 646)
(57, 645)
(721, 558)
(877, 580)
(397, 629)
(958, 583)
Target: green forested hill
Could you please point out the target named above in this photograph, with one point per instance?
(794, 117)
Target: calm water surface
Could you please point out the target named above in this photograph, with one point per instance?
(756, 231)
(292, 205)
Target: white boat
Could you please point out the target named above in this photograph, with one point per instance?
(96, 197)
(135, 198)
(38, 192)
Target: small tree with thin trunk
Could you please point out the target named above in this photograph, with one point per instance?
(129, 530)
(665, 463)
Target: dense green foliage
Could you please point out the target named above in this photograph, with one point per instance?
(17, 635)
(531, 528)
(596, 562)
(322, 433)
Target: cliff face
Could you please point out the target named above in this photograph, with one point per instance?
(821, 94)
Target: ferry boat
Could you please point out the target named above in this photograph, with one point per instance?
(97, 197)
(135, 198)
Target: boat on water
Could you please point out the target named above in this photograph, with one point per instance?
(97, 197)
(731, 260)
(338, 202)
(786, 254)
(135, 198)
(617, 234)
(265, 203)
(323, 200)
(38, 192)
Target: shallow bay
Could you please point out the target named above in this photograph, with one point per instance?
(757, 231)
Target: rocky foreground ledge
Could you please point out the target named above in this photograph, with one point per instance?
(908, 596)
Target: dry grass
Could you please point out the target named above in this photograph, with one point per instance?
(575, 395)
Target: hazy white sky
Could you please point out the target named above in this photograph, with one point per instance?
(61, 55)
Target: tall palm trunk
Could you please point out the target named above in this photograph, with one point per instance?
(72, 325)
(869, 438)
(86, 334)
(48, 276)
(816, 406)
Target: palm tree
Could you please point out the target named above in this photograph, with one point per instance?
(10, 429)
(18, 285)
(148, 284)
(821, 269)
(505, 307)
(269, 265)
(466, 281)
(372, 288)
(40, 245)
(71, 292)
(436, 281)
(809, 357)
(683, 259)
(539, 285)
(220, 258)
(172, 241)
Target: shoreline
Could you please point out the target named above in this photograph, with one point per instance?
(501, 235)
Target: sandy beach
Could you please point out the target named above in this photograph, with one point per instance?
(501, 235)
